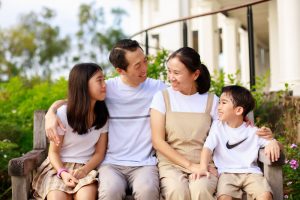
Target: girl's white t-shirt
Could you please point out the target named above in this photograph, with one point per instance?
(77, 148)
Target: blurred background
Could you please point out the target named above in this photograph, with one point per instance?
(41, 40)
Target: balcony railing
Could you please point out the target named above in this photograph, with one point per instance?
(222, 10)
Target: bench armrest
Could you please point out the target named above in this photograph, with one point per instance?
(273, 173)
(24, 165)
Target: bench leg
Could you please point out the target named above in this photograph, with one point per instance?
(20, 187)
(274, 176)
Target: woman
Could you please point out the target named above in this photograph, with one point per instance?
(180, 120)
(68, 172)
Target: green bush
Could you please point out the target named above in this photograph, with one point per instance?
(219, 79)
(156, 65)
(19, 98)
(8, 150)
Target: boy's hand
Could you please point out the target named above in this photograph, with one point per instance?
(52, 122)
(68, 179)
(213, 170)
(272, 150)
(265, 133)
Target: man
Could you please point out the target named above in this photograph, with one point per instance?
(130, 160)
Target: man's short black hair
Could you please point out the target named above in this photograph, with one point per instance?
(117, 54)
(240, 97)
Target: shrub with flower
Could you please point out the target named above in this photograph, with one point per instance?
(291, 171)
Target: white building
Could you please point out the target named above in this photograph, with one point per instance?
(222, 39)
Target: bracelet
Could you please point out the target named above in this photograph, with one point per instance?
(61, 170)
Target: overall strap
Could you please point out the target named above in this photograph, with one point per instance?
(209, 103)
(167, 100)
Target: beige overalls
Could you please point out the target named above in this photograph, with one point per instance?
(186, 133)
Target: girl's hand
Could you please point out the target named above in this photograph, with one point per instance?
(272, 150)
(79, 173)
(68, 179)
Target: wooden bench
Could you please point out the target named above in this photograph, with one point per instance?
(23, 169)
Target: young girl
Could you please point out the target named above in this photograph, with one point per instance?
(68, 172)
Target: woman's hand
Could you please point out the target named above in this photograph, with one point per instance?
(199, 174)
(68, 179)
(195, 168)
(265, 133)
(199, 171)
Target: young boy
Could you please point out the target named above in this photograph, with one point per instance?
(235, 148)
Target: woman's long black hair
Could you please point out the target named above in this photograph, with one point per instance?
(191, 59)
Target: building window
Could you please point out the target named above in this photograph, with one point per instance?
(155, 37)
(155, 5)
(261, 56)
(220, 40)
(195, 40)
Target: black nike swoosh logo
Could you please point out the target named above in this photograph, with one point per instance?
(230, 146)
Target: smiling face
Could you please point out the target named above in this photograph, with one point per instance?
(227, 112)
(136, 72)
(97, 87)
(181, 78)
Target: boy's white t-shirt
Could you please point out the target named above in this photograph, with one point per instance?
(241, 158)
(179, 102)
(77, 148)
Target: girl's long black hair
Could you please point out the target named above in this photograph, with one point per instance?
(79, 99)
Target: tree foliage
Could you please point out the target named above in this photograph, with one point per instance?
(94, 37)
(34, 46)
(31, 46)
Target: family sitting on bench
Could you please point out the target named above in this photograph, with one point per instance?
(109, 145)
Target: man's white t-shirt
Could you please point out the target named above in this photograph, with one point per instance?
(235, 150)
(129, 135)
(77, 148)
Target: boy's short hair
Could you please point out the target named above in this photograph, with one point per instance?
(240, 97)
(117, 54)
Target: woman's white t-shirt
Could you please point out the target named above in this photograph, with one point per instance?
(179, 102)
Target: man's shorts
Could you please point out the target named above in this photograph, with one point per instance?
(233, 184)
